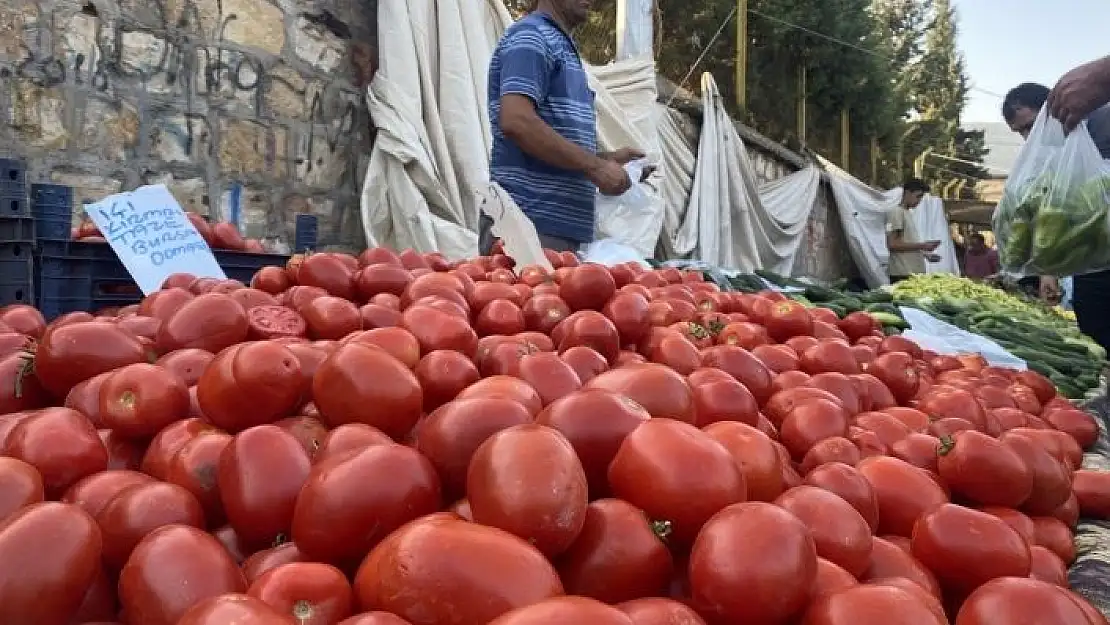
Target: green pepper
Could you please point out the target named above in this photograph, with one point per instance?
(1017, 244)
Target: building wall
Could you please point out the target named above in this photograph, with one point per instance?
(255, 103)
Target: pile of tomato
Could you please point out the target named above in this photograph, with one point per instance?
(221, 235)
(393, 438)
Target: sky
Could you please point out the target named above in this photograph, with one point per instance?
(1007, 42)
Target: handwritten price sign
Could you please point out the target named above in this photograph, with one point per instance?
(153, 238)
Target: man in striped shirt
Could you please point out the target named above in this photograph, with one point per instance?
(545, 130)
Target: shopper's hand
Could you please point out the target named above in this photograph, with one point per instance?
(1049, 290)
(932, 258)
(1079, 92)
(929, 246)
(609, 176)
(625, 155)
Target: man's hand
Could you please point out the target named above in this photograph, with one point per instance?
(1049, 290)
(932, 258)
(623, 155)
(929, 246)
(1079, 92)
(609, 176)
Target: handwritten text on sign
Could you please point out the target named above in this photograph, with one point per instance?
(152, 236)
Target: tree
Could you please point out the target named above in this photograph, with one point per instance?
(940, 92)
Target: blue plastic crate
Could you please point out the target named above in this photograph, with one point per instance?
(13, 202)
(305, 237)
(242, 266)
(52, 206)
(17, 229)
(12, 171)
(78, 276)
(17, 272)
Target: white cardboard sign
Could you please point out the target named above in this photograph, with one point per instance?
(153, 238)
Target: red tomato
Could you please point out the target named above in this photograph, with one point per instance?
(857, 325)
(829, 355)
(24, 319)
(896, 370)
(966, 548)
(20, 486)
(754, 453)
(61, 444)
(364, 384)
(138, 510)
(596, 422)
(841, 534)
(1078, 424)
(331, 318)
(500, 316)
(777, 571)
(379, 316)
(787, 319)
(670, 348)
(453, 432)
(345, 508)
(210, 322)
(69, 354)
(442, 375)
(505, 386)
(528, 481)
(232, 608)
(630, 313)
(872, 605)
(742, 365)
(778, 358)
(589, 329)
(833, 449)
(309, 592)
(381, 277)
(551, 376)
(329, 272)
(270, 279)
(831, 579)
(51, 548)
(564, 610)
(543, 312)
(1047, 566)
(140, 399)
(660, 390)
(809, 423)
(659, 611)
(1055, 535)
(677, 473)
(904, 493)
(724, 400)
(172, 569)
(435, 329)
(850, 485)
(917, 449)
(398, 342)
(428, 558)
(187, 364)
(251, 384)
(984, 470)
(619, 555)
(743, 334)
(271, 558)
(1014, 601)
(260, 473)
(588, 287)
(585, 361)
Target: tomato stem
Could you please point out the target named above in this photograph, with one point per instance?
(280, 540)
(302, 610)
(662, 529)
(26, 368)
(947, 444)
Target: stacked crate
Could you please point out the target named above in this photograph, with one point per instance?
(17, 236)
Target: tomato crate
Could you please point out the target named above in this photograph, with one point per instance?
(77, 276)
(52, 207)
(17, 283)
(242, 266)
(306, 233)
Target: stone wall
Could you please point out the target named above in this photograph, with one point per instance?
(248, 106)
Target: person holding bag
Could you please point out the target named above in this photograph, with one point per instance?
(541, 110)
(1081, 95)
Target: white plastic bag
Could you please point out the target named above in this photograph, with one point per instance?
(512, 226)
(1054, 216)
(611, 252)
(944, 338)
(630, 218)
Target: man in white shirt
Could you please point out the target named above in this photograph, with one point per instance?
(908, 252)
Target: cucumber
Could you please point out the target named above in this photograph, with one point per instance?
(890, 321)
(836, 308)
(882, 307)
(817, 293)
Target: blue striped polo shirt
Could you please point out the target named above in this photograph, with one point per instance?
(537, 59)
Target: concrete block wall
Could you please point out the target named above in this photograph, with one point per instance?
(254, 103)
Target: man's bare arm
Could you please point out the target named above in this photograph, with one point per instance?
(524, 127)
(895, 243)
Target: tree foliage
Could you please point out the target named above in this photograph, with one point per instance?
(893, 64)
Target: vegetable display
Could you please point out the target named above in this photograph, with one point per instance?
(395, 439)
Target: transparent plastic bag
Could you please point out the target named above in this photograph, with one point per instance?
(635, 200)
(1054, 216)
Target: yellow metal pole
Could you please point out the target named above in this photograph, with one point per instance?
(919, 163)
(874, 160)
(948, 188)
(742, 54)
(802, 104)
(845, 139)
